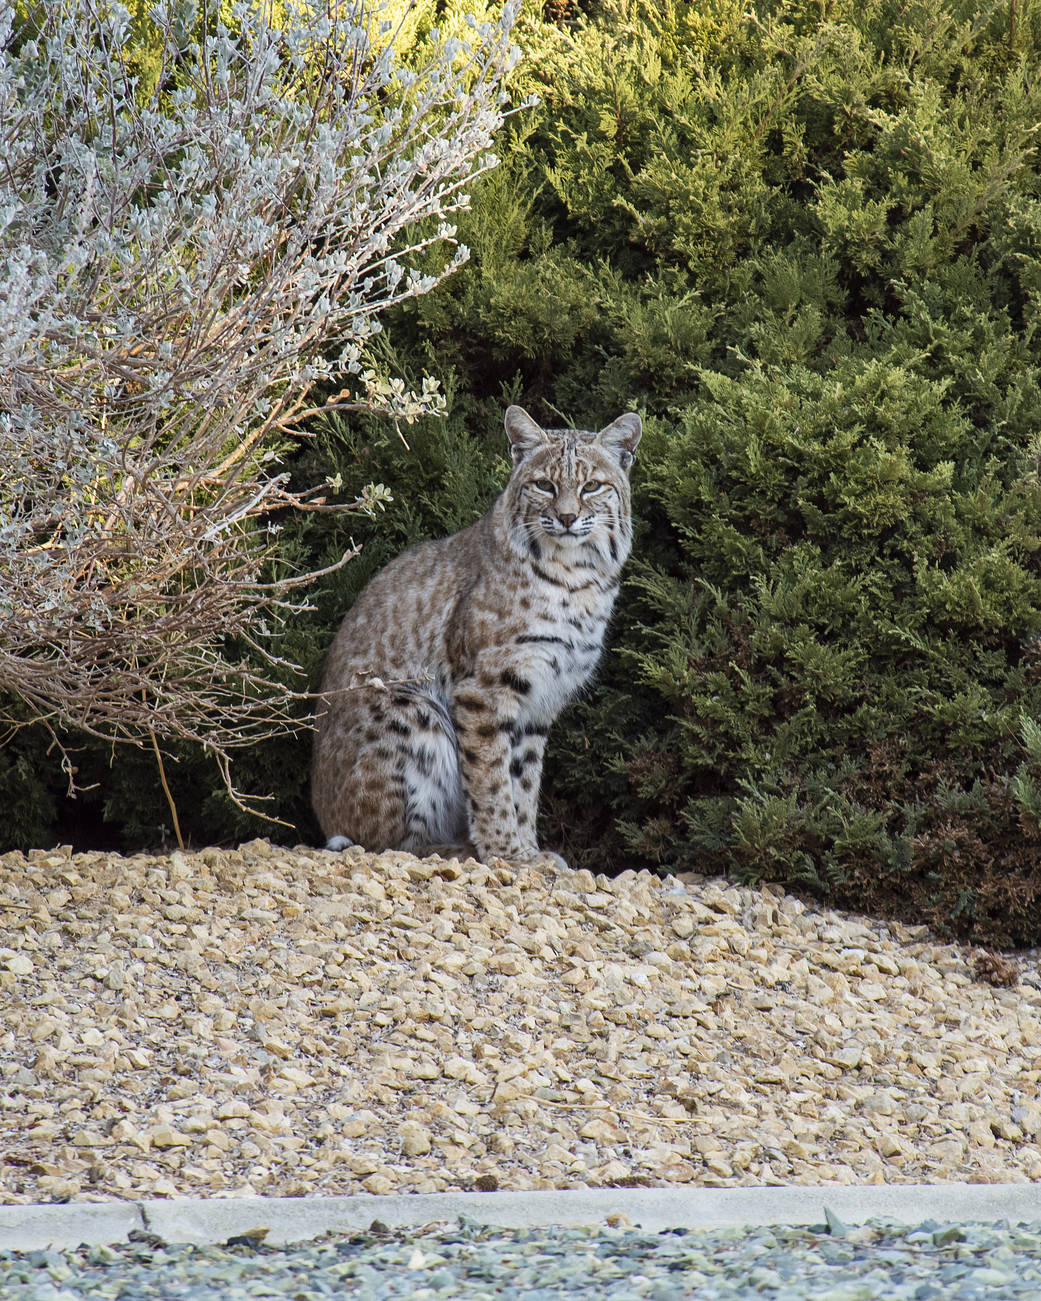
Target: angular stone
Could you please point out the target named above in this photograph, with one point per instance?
(165, 1136)
(235, 1109)
(459, 1068)
(415, 1138)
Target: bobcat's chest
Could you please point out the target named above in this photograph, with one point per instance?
(559, 645)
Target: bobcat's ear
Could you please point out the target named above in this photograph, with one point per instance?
(524, 434)
(621, 437)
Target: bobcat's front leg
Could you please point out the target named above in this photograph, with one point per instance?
(527, 745)
(486, 724)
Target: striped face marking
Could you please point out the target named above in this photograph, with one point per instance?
(570, 492)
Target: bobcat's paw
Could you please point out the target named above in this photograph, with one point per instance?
(554, 859)
(524, 856)
(533, 856)
(335, 843)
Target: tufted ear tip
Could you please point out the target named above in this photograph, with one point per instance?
(621, 437)
(524, 434)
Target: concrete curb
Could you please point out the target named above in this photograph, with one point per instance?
(294, 1219)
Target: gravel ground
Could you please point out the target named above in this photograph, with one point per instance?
(271, 1021)
(952, 1263)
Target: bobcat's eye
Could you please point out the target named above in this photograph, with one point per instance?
(544, 485)
(594, 485)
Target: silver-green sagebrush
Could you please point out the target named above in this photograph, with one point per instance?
(192, 263)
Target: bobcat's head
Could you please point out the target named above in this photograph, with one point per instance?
(570, 487)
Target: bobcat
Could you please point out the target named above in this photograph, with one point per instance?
(445, 676)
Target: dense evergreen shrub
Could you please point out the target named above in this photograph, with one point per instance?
(805, 241)
(809, 249)
(806, 244)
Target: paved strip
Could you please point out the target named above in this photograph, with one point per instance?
(295, 1219)
(35, 1228)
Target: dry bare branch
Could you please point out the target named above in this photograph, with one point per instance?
(185, 274)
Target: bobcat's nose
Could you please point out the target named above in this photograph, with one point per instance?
(567, 520)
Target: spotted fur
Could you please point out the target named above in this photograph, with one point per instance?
(447, 673)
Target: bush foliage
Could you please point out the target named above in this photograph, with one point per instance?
(202, 217)
(805, 240)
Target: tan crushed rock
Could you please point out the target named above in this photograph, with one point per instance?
(293, 1022)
